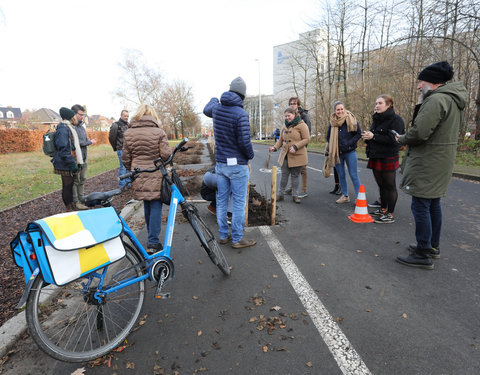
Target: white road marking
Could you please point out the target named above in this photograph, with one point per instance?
(348, 360)
(315, 169)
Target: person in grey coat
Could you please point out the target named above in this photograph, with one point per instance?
(430, 157)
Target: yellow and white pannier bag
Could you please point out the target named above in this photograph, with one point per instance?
(72, 244)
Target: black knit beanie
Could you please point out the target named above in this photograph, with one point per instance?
(439, 72)
(66, 113)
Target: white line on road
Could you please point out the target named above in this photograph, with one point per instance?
(315, 169)
(343, 352)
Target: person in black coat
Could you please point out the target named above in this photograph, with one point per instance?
(67, 157)
(382, 151)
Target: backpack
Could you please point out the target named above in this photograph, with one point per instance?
(49, 143)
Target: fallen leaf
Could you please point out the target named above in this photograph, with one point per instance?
(304, 313)
(309, 364)
(253, 319)
(276, 276)
(79, 371)
(195, 297)
(367, 310)
(131, 365)
(322, 264)
(404, 315)
(199, 333)
(256, 202)
(359, 251)
(265, 349)
(158, 370)
(275, 308)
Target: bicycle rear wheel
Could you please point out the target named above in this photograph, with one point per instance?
(69, 324)
(208, 241)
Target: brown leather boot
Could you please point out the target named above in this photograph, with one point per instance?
(70, 207)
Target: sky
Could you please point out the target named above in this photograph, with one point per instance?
(60, 53)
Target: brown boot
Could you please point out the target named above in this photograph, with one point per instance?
(80, 206)
(70, 207)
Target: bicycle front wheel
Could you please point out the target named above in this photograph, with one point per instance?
(209, 242)
(69, 324)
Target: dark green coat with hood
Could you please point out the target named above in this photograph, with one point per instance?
(432, 142)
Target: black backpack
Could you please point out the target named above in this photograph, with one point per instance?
(49, 143)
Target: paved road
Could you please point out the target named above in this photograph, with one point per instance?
(274, 314)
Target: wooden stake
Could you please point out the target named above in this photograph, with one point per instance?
(274, 194)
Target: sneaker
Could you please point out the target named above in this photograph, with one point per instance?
(155, 248)
(229, 218)
(224, 241)
(416, 260)
(379, 212)
(212, 210)
(433, 252)
(385, 219)
(280, 198)
(343, 199)
(244, 242)
(303, 195)
(288, 191)
(296, 199)
(375, 204)
(339, 191)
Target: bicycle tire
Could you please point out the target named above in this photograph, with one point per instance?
(68, 327)
(209, 242)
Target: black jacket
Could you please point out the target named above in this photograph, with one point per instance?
(347, 141)
(63, 159)
(383, 143)
(305, 118)
(115, 135)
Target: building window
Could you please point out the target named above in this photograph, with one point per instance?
(10, 114)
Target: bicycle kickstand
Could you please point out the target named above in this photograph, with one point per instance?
(158, 291)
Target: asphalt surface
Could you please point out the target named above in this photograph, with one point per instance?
(274, 314)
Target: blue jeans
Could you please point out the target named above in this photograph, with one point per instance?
(351, 159)
(428, 221)
(234, 179)
(153, 218)
(122, 170)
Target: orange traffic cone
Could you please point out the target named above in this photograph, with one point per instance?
(361, 212)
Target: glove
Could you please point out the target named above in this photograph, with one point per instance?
(73, 167)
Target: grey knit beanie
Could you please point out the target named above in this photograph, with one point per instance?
(239, 86)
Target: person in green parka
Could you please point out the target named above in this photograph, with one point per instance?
(430, 157)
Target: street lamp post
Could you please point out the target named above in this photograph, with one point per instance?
(259, 100)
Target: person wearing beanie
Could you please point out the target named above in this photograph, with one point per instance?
(81, 176)
(428, 164)
(233, 150)
(67, 156)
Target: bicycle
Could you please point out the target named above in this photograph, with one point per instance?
(86, 318)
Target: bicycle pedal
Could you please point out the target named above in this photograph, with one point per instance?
(163, 295)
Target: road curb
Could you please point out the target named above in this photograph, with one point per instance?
(14, 328)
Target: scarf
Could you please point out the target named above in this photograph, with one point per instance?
(77, 153)
(336, 122)
(294, 122)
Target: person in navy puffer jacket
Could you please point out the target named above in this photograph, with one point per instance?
(233, 150)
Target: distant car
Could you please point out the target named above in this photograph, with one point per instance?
(259, 136)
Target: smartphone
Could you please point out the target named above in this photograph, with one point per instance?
(395, 133)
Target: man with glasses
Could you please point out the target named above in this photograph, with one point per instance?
(80, 176)
(295, 104)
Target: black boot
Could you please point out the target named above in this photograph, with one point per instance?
(339, 190)
(335, 189)
(418, 258)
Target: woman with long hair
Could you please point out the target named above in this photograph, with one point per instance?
(342, 137)
(144, 142)
(382, 152)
